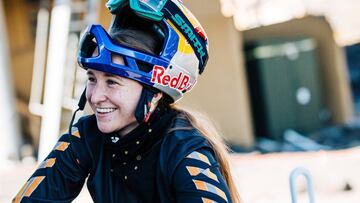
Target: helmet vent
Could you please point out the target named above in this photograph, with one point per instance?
(118, 59)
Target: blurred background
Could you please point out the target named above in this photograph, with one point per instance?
(282, 83)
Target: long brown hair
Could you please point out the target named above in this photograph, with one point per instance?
(135, 39)
(213, 135)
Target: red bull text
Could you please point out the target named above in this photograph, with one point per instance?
(180, 82)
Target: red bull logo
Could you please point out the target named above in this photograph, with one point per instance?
(180, 82)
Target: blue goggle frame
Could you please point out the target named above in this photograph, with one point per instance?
(103, 60)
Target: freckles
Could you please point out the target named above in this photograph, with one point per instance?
(116, 93)
(88, 93)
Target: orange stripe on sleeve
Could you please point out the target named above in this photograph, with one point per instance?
(29, 188)
(198, 156)
(204, 158)
(19, 195)
(48, 163)
(200, 185)
(194, 171)
(221, 193)
(75, 131)
(76, 134)
(210, 174)
(33, 185)
(206, 200)
(62, 146)
(204, 186)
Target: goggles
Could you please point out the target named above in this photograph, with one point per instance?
(96, 38)
(150, 9)
(157, 10)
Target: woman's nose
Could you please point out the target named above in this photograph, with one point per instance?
(98, 94)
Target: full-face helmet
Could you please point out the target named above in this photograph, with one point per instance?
(182, 55)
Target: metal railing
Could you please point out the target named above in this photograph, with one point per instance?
(293, 176)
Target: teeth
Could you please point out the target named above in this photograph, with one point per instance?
(105, 110)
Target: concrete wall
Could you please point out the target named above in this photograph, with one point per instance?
(335, 84)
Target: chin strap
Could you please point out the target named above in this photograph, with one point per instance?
(145, 106)
(81, 106)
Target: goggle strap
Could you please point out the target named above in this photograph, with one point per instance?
(170, 10)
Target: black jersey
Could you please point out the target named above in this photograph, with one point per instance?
(165, 160)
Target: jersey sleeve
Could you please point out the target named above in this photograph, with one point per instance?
(197, 179)
(60, 177)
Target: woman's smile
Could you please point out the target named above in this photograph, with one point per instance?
(105, 110)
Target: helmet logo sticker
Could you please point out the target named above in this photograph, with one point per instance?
(180, 82)
(201, 32)
(191, 35)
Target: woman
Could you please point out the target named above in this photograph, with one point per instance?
(138, 147)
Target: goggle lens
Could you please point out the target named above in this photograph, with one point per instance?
(150, 9)
(150, 5)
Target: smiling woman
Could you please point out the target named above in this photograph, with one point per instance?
(113, 100)
(138, 146)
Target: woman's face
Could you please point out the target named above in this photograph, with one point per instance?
(113, 100)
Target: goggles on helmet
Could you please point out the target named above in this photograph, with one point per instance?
(96, 38)
(150, 9)
(157, 10)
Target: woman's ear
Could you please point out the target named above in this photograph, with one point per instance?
(157, 98)
(152, 105)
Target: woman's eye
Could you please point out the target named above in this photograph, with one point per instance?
(111, 82)
(90, 79)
